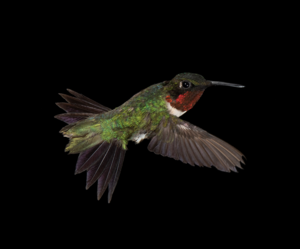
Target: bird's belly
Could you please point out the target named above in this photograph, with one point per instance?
(139, 137)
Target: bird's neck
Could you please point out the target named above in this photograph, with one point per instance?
(186, 101)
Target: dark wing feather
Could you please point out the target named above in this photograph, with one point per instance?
(102, 162)
(73, 100)
(190, 144)
(78, 107)
(90, 101)
(70, 118)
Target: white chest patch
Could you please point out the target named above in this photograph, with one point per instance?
(174, 111)
(139, 138)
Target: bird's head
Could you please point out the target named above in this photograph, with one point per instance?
(185, 89)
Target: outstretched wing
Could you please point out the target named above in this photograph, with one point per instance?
(190, 144)
(78, 107)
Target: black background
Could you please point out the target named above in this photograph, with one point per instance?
(109, 63)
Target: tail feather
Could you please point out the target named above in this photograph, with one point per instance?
(105, 177)
(103, 162)
(101, 167)
(66, 128)
(79, 144)
(106, 169)
(115, 177)
(84, 156)
(94, 158)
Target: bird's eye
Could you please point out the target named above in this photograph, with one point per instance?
(185, 84)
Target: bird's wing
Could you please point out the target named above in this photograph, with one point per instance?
(190, 144)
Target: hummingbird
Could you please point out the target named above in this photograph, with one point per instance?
(100, 135)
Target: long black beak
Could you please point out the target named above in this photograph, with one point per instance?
(218, 83)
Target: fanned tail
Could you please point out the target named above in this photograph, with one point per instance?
(103, 163)
(102, 160)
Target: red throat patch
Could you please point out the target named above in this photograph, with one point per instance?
(185, 101)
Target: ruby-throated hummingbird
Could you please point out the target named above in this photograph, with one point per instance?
(101, 135)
